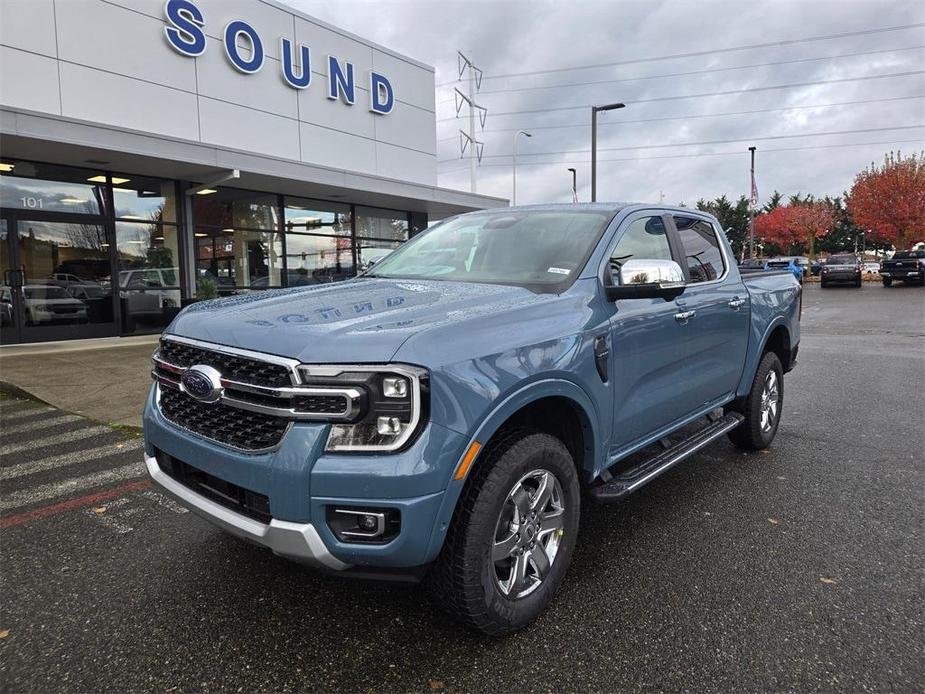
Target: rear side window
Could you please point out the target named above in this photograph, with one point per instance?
(702, 252)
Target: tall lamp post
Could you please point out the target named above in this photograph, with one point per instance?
(594, 111)
(574, 184)
(514, 147)
(752, 203)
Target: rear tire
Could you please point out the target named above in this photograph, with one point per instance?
(887, 281)
(822, 284)
(762, 407)
(474, 578)
(858, 282)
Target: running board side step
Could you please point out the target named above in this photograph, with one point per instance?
(628, 481)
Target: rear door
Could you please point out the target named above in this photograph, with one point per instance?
(716, 338)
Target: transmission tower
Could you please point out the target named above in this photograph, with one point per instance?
(468, 139)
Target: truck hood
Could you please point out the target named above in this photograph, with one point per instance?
(359, 321)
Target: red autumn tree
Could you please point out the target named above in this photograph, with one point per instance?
(890, 199)
(796, 224)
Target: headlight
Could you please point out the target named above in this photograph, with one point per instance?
(394, 405)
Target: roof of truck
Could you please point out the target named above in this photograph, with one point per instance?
(611, 207)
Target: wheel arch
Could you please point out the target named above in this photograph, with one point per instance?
(576, 425)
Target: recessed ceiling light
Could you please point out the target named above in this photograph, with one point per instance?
(158, 238)
(6, 167)
(228, 231)
(200, 234)
(131, 216)
(102, 179)
(72, 201)
(206, 191)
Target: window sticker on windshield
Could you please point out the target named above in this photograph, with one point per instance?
(559, 270)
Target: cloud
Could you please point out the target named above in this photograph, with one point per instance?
(510, 37)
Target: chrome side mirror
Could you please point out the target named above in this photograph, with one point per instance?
(648, 279)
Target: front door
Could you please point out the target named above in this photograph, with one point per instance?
(650, 344)
(57, 280)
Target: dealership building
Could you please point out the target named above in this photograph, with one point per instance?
(153, 153)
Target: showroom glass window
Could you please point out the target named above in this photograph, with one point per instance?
(27, 186)
(148, 251)
(237, 242)
(378, 232)
(319, 241)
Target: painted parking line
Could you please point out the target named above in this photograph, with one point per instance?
(51, 421)
(65, 459)
(25, 497)
(71, 504)
(26, 413)
(66, 437)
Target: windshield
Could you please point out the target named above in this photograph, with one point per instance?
(841, 260)
(906, 255)
(535, 249)
(47, 292)
(779, 263)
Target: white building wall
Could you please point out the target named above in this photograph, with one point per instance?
(108, 62)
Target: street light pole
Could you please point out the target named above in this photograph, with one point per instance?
(752, 201)
(514, 168)
(594, 110)
(574, 185)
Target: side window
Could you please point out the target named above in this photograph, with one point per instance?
(702, 251)
(644, 239)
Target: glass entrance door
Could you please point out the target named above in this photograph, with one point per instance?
(57, 280)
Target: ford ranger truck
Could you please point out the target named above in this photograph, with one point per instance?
(444, 415)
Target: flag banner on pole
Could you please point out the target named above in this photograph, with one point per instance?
(754, 195)
(574, 196)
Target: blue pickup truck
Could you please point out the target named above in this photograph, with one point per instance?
(444, 416)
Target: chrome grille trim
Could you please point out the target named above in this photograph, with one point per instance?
(352, 397)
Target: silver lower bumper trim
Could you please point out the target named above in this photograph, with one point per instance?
(298, 541)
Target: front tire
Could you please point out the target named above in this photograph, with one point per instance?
(512, 535)
(887, 281)
(762, 407)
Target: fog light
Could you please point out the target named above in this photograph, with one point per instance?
(394, 387)
(388, 426)
(376, 525)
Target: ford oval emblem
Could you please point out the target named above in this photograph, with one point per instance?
(202, 383)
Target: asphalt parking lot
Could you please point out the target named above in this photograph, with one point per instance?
(800, 568)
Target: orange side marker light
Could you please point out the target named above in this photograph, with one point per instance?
(467, 460)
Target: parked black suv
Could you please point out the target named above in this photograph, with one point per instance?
(904, 266)
(844, 267)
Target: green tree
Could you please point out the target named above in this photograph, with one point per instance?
(773, 202)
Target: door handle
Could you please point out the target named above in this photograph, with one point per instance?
(736, 302)
(684, 316)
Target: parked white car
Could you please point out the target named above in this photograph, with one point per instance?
(45, 303)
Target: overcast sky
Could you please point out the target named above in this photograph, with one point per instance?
(530, 36)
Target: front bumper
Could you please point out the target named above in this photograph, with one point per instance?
(298, 541)
(301, 481)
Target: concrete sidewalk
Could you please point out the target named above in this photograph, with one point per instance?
(106, 379)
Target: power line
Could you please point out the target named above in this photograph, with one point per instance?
(708, 94)
(705, 115)
(694, 54)
(694, 72)
(709, 142)
(709, 154)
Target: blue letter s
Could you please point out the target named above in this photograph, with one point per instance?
(185, 33)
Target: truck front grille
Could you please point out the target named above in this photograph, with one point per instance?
(231, 426)
(233, 367)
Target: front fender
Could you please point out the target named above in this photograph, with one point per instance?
(495, 419)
